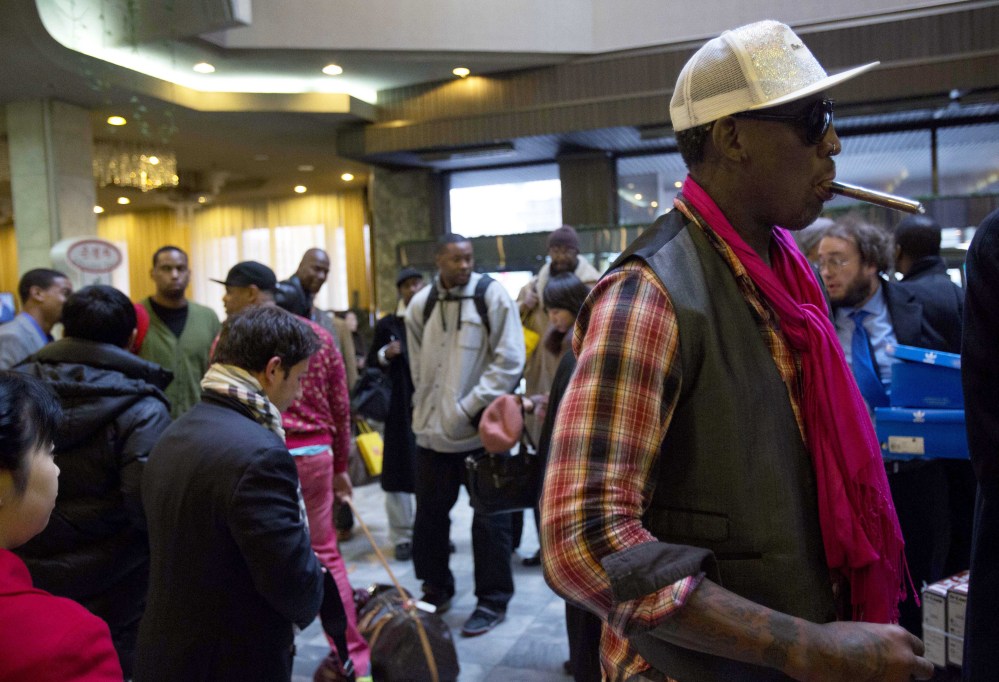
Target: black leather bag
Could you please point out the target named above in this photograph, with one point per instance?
(372, 395)
(406, 642)
(504, 482)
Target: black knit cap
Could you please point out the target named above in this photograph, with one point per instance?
(248, 273)
(407, 273)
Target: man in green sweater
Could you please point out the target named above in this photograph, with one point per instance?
(180, 331)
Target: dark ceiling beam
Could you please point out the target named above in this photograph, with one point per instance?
(922, 56)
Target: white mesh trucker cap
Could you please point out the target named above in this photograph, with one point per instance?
(751, 67)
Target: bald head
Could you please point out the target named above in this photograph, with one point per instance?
(313, 270)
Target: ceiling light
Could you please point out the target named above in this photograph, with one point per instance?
(301, 189)
(654, 204)
(638, 197)
(678, 184)
(306, 168)
(154, 160)
(98, 209)
(116, 120)
(460, 72)
(124, 200)
(204, 67)
(332, 69)
(347, 177)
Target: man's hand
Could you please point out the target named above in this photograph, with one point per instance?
(343, 489)
(862, 652)
(529, 301)
(393, 349)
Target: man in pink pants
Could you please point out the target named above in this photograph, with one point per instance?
(317, 433)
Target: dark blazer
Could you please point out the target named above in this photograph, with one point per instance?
(980, 374)
(942, 300)
(232, 568)
(908, 318)
(399, 467)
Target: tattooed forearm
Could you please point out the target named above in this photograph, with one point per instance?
(717, 622)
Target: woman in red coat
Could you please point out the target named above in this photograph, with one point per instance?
(42, 638)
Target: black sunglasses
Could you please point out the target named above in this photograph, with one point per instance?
(817, 119)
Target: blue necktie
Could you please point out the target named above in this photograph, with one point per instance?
(863, 363)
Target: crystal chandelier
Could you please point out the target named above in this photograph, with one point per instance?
(130, 164)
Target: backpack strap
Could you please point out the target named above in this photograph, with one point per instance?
(480, 300)
(428, 307)
(478, 297)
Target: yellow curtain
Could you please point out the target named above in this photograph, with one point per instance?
(144, 232)
(213, 237)
(8, 261)
(217, 239)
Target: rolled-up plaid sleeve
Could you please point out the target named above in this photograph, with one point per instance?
(603, 464)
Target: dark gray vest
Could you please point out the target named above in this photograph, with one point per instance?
(734, 476)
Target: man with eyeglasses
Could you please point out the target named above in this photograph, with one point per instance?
(871, 312)
(701, 496)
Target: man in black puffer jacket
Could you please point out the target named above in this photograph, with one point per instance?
(95, 549)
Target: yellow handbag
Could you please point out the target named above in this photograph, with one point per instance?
(369, 444)
(531, 337)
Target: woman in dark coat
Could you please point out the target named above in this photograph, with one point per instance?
(388, 352)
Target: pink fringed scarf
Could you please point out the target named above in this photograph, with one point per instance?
(860, 530)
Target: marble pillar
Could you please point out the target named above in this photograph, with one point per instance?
(52, 179)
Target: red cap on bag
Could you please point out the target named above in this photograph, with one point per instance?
(502, 424)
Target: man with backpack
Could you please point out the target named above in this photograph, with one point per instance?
(466, 348)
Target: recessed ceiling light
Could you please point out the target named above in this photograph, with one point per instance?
(202, 200)
(347, 177)
(98, 209)
(301, 189)
(654, 204)
(638, 197)
(332, 69)
(204, 67)
(124, 200)
(116, 120)
(155, 160)
(306, 168)
(460, 72)
(678, 184)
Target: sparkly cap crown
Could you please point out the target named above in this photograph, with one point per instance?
(752, 67)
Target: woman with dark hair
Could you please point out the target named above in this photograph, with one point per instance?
(42, 637)
(564, 296)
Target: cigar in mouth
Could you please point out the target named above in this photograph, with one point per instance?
(877, 198)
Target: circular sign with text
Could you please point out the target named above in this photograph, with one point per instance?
(94, 255)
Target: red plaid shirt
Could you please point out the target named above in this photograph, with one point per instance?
(606, 443)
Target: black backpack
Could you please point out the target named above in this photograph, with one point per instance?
(479, 297)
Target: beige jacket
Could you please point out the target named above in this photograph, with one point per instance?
(539, 372)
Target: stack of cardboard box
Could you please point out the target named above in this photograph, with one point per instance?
(925, 419)
(944, 605)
